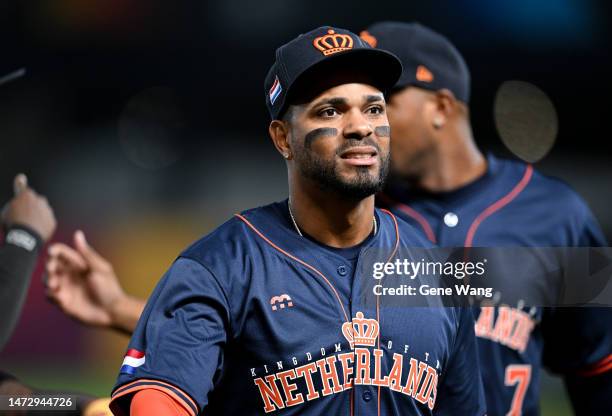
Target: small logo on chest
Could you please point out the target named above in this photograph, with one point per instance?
(281, 302)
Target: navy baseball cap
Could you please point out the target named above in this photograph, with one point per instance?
(320, 50)
(429, 60)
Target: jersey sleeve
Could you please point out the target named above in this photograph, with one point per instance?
(576, 339)
(578, 346)
(590, 234)
(577, 219)
(177, 347)
(461, 391)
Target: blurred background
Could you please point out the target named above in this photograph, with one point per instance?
(144, 124)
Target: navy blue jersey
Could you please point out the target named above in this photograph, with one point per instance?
(514, 205)
(255, 319)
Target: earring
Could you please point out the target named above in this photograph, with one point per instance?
(437, 122)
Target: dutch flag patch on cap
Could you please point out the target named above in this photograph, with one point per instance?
(275, 91)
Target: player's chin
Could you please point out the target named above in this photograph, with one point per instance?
(360, 173)
(370, 175)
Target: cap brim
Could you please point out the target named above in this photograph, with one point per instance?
(380, 68)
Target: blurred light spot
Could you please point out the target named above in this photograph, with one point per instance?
(151, 128)
(526, 120)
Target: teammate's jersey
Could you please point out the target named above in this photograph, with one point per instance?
(254, 319)
(513, 205)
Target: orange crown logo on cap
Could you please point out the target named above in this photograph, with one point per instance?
(361, 331)
(423, 74)
(333, 43)
(369, 38)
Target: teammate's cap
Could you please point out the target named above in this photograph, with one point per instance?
(327, 49)
(429, 60)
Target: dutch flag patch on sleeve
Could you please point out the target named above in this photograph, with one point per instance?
(132, 360)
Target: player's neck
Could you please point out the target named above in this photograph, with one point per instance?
(331, 219)
(453, 164)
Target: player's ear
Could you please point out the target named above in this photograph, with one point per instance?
(445, 108)
(279, 133)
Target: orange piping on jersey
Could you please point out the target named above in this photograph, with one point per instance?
(497, 205)
(389, 213)
(599, 367)
(378, 297)
(302, 262)
(411, 212)
(126, 389)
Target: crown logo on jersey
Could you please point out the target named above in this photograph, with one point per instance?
(361, 331)
(333, 43)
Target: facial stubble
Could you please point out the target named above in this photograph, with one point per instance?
(326, 172)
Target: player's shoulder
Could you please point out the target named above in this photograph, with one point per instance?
(552, 190)
(235, 237)
(563, 192)
(556, 205)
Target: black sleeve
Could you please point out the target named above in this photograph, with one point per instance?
(18, 257)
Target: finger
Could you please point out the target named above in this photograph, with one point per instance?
(58, 297)
(67, 254)
(89, 254)
(53, 283)
(56, 283)
(53, 274)
(20, 183)
(50, 266)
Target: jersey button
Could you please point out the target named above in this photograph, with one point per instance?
(451, 219)
(367, 396)
(342, 270)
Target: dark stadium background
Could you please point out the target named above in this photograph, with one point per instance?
(144, 123)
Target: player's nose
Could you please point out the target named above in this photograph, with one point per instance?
(357, 125)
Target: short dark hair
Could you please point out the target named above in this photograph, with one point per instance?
(287, 114)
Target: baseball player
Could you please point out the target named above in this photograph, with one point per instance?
(457, 196)
(263, 314)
